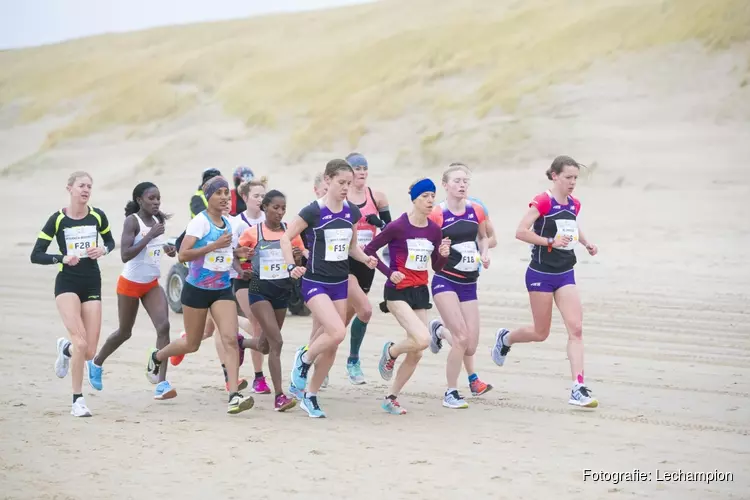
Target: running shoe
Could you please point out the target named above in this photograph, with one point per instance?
(296, 393)
(354, 370)
(386, 364)
(391, 406)
(239, 403)
(500, 350)
(241, 384)
(436, 343)
(79, 408)
(454, 400)
(283, 403)
(62, 362)
(176, 360)
(300, 369)
(580, 395)
(94, 374)
(240, 339)
(478, 388)
(164, 390)
(310, 405)
(260, 386)
(152, 369)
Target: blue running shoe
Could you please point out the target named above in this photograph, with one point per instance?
(299, 370)
(164, 390)
(296, 393)
(310, 405)
(94, 375)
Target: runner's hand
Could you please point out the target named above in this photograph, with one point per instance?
(563, 241)
(445, 247)
(397, 277)
(170, 250)
(156, 231)
(95, 252)
(246, 274)
(486, 259)
(71, 260)
(372, 262)
(298, 272)
(224, 240)
(243, 252)
(593, 249)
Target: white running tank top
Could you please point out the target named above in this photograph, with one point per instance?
(146, 266)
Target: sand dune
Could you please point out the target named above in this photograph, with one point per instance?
(663, 126)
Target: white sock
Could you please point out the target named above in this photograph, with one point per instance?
(306, 358)
(505, 339)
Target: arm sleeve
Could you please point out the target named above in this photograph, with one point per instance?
(196, 205)
(310, 214)
(438, 261)
(106, 232)
(385, 214)
(382, 239)
(198, 227)
(39, 253)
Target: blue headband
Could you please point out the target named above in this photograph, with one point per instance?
(423, 186)
(356, 160)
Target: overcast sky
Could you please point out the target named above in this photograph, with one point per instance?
(26, 23)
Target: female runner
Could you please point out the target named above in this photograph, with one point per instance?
(141, 246)
(551, 226)
(325, 283)
(207, 246)
(413, 239)
(78, 285)
(270, 287)
(373, 205)
(454, 288)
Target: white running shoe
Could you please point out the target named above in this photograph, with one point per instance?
(580, 396)
(454, 400)
(500, 350)
(79, 408)
(62, 363)
(436, 343)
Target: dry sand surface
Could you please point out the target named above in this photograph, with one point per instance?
(666, 315)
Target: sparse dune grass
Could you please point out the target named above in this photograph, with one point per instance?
(329, 73)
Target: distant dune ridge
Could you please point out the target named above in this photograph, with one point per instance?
(333, 75)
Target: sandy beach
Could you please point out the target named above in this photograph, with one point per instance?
(666, 315)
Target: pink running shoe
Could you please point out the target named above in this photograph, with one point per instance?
(283, 403)
(260, 386)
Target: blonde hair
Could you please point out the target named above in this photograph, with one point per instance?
(77, 175)
(246, 186)
(455, 167)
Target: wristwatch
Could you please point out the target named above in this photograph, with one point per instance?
(289, 267)
(549, 244)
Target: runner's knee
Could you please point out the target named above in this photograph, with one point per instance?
(192, 344)
(541, 334)
(422, 341)
(338, 334)
(575, 331)
(365, 312)
(162, 329)
(264, 346)
(80, 344)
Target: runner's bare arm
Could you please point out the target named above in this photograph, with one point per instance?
(524, 231)
(293, 229)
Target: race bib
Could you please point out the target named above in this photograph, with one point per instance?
(154, 249)
(337, 244)
(469, 256)
(272, 265)
(219, 260)
(567, 227)
(419, 250)
(364, 237)
(79, 239)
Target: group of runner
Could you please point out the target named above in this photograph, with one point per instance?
(239, 251)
